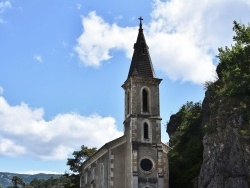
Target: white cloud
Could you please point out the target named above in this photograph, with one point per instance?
(33, 172)
(99, 38)
(24, 131)
(9, 148)
(183, 37)
(38, 58)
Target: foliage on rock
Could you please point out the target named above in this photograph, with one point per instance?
(231, 92)
(185, 158)
(222, 124)
(226, 157)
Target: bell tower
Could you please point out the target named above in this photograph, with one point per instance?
(146, 159)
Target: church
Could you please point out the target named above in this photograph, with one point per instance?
(138, 159)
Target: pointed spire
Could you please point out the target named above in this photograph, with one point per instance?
(141, 64)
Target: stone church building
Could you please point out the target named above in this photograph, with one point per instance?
(138, 159)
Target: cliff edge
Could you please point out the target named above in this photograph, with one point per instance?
(223, 126)
(226, 118)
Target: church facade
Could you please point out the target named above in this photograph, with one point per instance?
(138, 159)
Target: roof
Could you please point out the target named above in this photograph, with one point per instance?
(141, 64)
(103, 150)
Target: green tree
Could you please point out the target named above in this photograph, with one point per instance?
(75, 164)
(233, 69)
(49, 183)
(70, 180)
(185, 158)
(79, 157)
(17, 182)
(231, 91)
(37, 183)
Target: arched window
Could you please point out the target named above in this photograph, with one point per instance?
(144, 100)
(128, 102)
(145, 131)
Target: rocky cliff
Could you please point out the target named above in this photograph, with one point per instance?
(224, 126)
(226, 155)
(226, 118)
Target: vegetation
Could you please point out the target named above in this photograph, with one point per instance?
(76, 163)
(17, 182)
(55, 181)
(79, 157)
(185, 158)
(234, 67)
(63, 181)
(229, 94)
(6, 179)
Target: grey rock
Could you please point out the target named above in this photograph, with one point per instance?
(226, 156)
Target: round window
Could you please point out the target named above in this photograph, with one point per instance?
(146, 165)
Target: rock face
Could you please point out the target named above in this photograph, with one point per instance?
(226, 155)
(226, 119)
(173, 124)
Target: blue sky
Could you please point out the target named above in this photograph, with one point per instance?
(62, 64)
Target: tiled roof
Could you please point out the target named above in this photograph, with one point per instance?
(141, 64)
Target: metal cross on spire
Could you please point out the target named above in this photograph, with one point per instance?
(140, 22)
